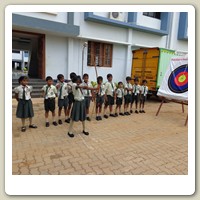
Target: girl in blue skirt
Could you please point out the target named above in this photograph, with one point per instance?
(78, 112)
(24, 107)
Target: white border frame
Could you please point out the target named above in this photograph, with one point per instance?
(98, 184)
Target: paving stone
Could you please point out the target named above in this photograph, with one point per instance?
(135, 144)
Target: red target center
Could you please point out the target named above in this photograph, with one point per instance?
(181, 79)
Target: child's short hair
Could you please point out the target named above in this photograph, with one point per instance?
(136, 79)
(85, 75)
(72, 75)
(119, 83)
(60, 76)
(76, 78)
(22, 78)
(128, 78)
(99, 78)
(144, 81)
(49, 78)
(109, 75)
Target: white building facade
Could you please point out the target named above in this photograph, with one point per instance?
(56, 40)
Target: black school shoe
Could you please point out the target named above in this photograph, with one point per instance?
(100, 118)
(88, 118)
(67, 120)
(122, 114)
(86, 133)
(70, 134)
(47, 124)
(23, 129)
(55, 123)
(136, 112)
(128, 113)
(140, 111)
(106, 116)
(59, 121)
(116, 115)
(112, 115)
(131, 111)
(143, 111)
(97, 118)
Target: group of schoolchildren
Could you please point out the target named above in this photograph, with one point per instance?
(75, 97)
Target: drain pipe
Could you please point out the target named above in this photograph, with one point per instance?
(169, 36)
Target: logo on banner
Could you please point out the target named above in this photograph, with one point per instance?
(178, 79)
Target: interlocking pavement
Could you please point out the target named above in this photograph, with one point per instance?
(139, 144)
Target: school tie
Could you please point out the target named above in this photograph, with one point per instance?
(128, 88)
(87, 90)
(46, 90)
(24, 96)
(60, 95)
(144, 90)
(122, 92)
(135, 90)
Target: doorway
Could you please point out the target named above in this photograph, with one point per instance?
(28, 55)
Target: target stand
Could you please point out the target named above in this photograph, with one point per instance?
(175, 101)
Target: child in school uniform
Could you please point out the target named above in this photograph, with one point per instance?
(128, 88)
(143, 95)
(87, 94)
(119, 100)
(49, 93)
(78, 112)
(70, 96)
(24, 107)
(135, 95)
(62, 89)
(110, 95)
(99, 97)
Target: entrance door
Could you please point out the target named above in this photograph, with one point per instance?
(35, 44)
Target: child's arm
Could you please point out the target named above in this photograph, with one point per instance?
(81, 86)
(16, 97)
(43, 92)
(55, 91)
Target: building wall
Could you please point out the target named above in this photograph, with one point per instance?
(64, 54)
(147, 21)
(56, 56)
(97, 31)
(176, 44)
(52, 16)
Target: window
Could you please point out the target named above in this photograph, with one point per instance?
(26, 53)
(152, 14)
(99, 53)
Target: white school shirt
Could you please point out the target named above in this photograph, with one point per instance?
(144, 90)
(69, 84)
(136, 89)
(19, 90)
(109, 88)
(86, 93)
(78, 93)
(129, 86)
(50, 91)
(120, 92)
(64, 89)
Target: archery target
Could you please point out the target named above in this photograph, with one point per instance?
(178, 79)
(175, 81)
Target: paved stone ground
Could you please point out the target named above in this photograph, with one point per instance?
(140, 144)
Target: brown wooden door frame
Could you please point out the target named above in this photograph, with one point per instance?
(41, 56)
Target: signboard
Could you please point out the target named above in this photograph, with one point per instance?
(175, 81)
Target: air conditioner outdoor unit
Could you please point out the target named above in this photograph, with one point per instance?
(117, 16)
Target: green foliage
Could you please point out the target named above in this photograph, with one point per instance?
(93, 83)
